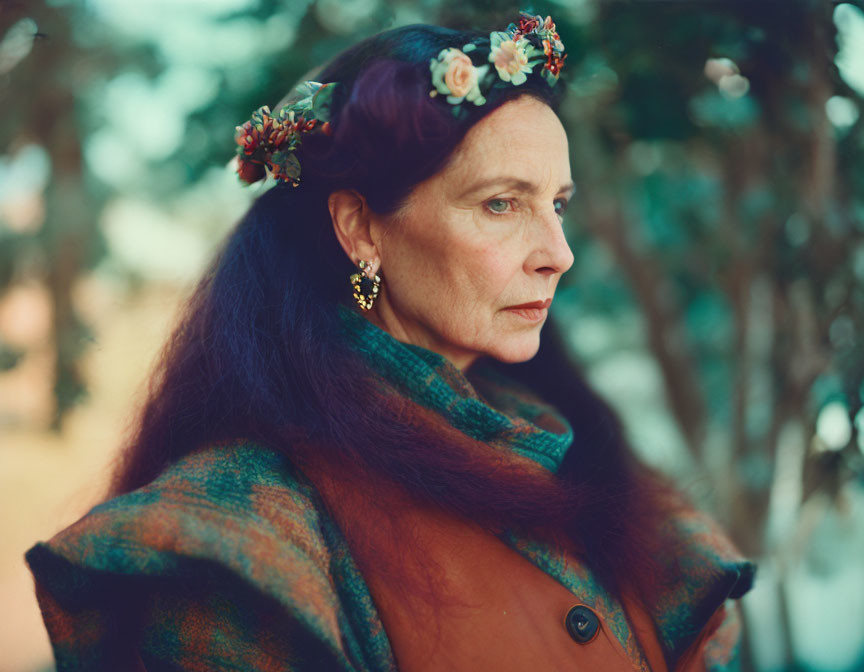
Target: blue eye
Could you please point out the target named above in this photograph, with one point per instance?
(564, 203)
(495, 205)
(497, 200)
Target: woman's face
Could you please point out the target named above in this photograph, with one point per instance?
(481, 236)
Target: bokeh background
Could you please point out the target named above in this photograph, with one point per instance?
(717, 298)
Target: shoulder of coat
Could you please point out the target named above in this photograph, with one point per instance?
(237, 504)
(233, 511)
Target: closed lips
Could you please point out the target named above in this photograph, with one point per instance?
(533, 304)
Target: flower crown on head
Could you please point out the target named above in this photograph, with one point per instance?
(514, 52)
(267, 142)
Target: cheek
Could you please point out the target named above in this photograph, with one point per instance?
(487, 270)
(477, 280)
(452, 268)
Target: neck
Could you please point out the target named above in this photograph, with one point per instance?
(383, 317)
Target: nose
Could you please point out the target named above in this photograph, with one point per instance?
(551, 254)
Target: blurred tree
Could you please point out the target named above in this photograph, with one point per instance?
(47, 70)
(708, 167)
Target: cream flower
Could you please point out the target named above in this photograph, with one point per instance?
(510, 57)
(460, 77)
(454, 75)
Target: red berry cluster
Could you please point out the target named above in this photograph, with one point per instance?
(548, 34)
(266, 142)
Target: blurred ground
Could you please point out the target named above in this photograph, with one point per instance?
(49, 481)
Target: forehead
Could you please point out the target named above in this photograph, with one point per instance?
(523, 139)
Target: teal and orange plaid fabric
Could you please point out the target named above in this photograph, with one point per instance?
(230, 561)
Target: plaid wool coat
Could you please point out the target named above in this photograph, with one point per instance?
(229, 559)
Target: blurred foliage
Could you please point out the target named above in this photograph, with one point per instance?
(45, 76)
(718, 222)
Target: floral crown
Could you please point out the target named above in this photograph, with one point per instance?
(267, 142)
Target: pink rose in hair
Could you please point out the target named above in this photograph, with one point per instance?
(454, 75)
(461, 76)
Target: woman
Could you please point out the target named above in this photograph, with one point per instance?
(361, 449)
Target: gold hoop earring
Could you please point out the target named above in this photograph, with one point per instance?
(365, 285)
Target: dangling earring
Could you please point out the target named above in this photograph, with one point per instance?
(365, 286)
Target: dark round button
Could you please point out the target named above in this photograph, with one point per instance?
(582, 624)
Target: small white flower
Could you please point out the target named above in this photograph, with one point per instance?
(510, 57)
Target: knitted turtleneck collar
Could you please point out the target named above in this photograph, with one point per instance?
(481, 404)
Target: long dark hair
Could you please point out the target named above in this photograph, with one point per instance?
(256, 353)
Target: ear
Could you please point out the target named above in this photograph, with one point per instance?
(352, 222)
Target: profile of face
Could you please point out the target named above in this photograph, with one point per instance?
(479, 237)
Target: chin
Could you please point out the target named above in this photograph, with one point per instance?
(515, 350)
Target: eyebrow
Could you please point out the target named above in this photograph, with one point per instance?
(518, 183)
